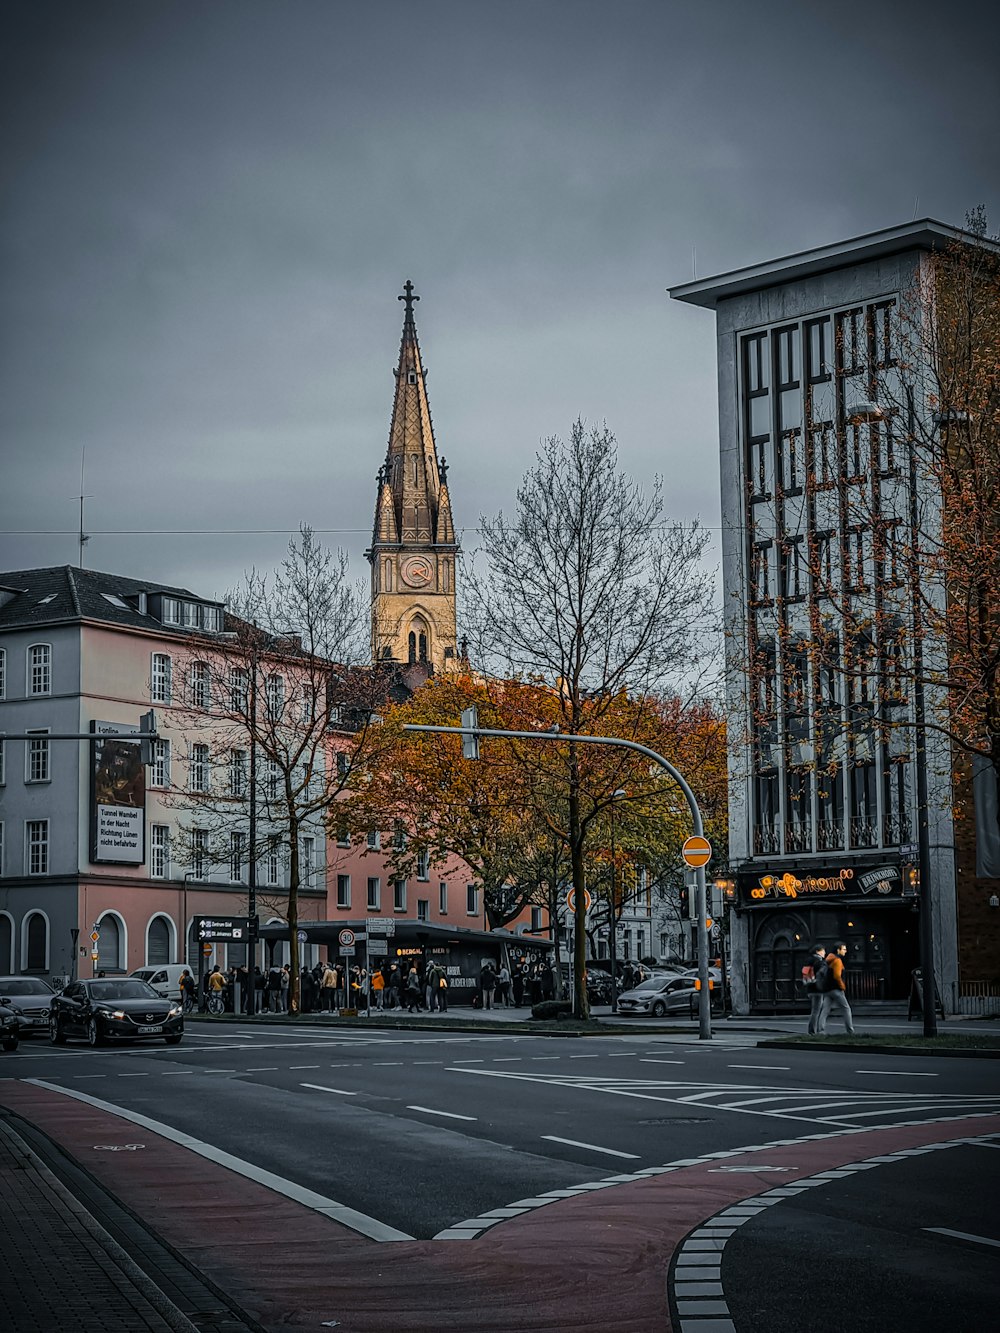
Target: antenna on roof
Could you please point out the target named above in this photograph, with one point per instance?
(84, 537)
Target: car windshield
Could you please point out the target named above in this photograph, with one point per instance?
(127, 989)
(23, 986)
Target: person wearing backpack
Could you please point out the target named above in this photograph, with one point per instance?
(834, 991)
(813, 971)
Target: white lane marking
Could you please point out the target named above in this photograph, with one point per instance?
(143, 1075)
(265, 1069)
(655, 1060)
(785, 1067)
(452, 1115)
(583, 1057)
(896, 1073)
(303, 1067)
(318, 1087)
(591, 1147)
(964, 1235)
(337, 1212)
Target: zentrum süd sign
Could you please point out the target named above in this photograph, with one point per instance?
(841, 882)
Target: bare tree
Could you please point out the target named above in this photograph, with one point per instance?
(284, 707)
(588, 589)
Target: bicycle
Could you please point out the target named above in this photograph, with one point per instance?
(216, 1004)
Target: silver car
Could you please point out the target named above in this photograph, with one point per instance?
(663, 995)
(30, 999)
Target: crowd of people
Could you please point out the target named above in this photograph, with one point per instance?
(411, 984)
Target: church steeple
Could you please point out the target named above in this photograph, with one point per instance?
(413, 549)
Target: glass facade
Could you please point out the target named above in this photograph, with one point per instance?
(825, 506)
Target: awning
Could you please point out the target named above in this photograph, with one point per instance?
(407, 931)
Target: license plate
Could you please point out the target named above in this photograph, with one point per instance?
(152, 1029)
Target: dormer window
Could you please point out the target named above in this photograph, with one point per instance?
(411, 376)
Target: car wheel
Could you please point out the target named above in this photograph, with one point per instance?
(56, 1035)
(659, 1009)
(175, 1040)
(10, 1043)
(94, 1034)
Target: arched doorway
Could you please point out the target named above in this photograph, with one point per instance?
(158, 941)
(780, 949)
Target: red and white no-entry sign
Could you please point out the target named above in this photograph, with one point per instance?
(571, 900)
(696, 852)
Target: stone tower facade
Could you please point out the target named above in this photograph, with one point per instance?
(413, 553)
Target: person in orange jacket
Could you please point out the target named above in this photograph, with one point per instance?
(835, 998)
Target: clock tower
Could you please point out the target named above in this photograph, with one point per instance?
(413, 552)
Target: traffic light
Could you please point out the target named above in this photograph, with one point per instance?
(470, 744)
(685, 902)
(147, 724)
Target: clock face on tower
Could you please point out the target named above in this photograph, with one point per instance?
(416, 571)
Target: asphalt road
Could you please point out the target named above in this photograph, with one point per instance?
(420, 1132)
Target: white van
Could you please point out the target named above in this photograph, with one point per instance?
(164, 978)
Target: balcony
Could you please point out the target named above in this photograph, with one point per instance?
(896, 830)
(830, 835)
(765, 839)
(864, 832)
(798, 838)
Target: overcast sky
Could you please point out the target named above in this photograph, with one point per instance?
(211, 206)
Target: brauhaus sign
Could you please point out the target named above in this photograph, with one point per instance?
(840, 882)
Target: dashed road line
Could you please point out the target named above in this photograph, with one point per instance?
(451, 1115)
(319, 1087)
(964, 1235)
(591, 1147)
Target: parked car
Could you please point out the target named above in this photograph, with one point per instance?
(111, 1009)
(30, 998)
(165, 979)
(662, 995)
(9, 1028)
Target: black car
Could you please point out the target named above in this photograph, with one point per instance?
(111, 1009)
(9, 1032)
(30, 999)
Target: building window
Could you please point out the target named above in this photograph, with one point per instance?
(343, 835)
(374, 840)
(791, 462)
(36, 848)
(273, 779)
(237, 856)
(161, 678)
(760, 574)
(423, 864)
(39, 669)
(159, 851)
(36, 765)
(472, 899)
(199, 853)
(170, 609)
(792, 569)
(160, 767)
(3, 673)
(1, 873)
(423, 909)
(399, 837)
(275, 694)
(343, 764)
(536, 919)
(237, 772)
(443, 898)
(200, 685)
(272, 868)
(399, 895)
(2, 754)
(36, 939)
(344, 890)
(374, 893)
(307, 867)
(198, 768)
(239, 690)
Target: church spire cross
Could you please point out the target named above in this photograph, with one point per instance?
(409, 298)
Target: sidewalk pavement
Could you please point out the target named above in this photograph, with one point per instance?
(63, 1273)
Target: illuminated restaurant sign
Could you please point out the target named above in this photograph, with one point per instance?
(839, 882)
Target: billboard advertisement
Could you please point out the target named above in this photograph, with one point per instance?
(118, 796)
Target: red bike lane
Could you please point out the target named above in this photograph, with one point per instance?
(594, 1262)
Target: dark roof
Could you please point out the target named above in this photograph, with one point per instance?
(925, 234)
(65, 593)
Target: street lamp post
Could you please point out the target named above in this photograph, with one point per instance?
(613, 912)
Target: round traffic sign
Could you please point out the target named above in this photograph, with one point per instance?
(571, 900)
(696, 852)
(346, 938)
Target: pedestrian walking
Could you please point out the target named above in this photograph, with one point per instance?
(328, 989)
(395, 987)
(487, 983)
(378, 988)
(518, 984)
(188, 989)
(412, 991)
(274, 989)
(835, 994)
(813, 972)
(503, 986)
